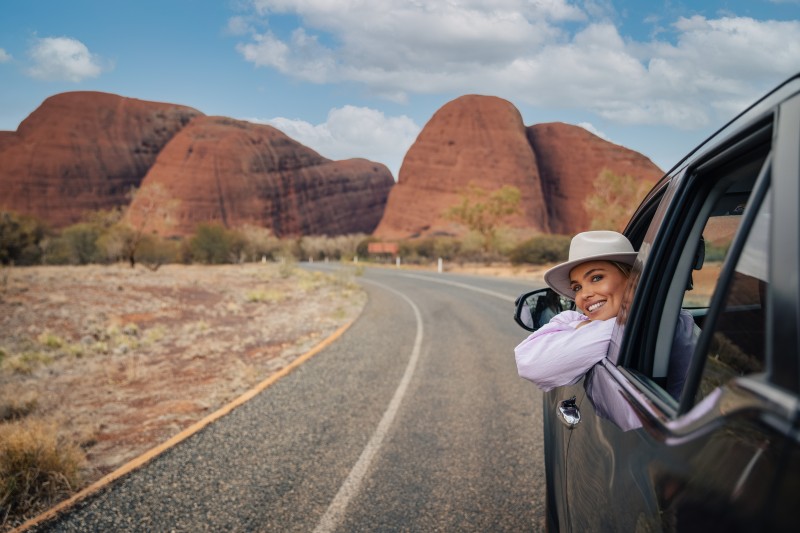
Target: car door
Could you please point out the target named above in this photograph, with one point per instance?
(691, 422)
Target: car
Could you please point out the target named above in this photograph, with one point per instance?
(717, 237)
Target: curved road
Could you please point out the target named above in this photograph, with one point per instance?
(414, 420)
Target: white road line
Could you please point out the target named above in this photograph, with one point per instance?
(463, 286)
(335, 512)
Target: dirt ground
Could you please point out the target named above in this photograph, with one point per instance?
(121, 359)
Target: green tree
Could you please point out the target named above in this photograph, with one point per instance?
(80, 241)
(20, 239)
(483, 212)
(215, 244)
(153, 251)
(540, 250)
(152, 203)
(614, 199)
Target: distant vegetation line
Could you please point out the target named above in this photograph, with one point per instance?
(105, 238)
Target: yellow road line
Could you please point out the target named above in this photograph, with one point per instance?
(183, 435)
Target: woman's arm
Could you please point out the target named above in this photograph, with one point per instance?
(559, 353)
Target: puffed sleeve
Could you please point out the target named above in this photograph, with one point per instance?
(559, 354)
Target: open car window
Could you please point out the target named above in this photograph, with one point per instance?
(705, 229)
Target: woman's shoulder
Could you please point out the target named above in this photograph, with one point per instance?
(568, 317)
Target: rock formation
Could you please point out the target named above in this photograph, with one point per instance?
(481, 140)
(478, 140)
(83, 151)
(238, 173)
(570, 159)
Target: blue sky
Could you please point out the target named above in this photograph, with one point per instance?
(360, 78)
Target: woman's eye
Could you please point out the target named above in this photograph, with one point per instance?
(576, 288)
(597, 278)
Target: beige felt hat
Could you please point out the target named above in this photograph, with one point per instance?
(589, 246)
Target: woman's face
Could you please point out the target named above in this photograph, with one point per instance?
(598, 287)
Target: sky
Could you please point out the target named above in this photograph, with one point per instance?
(361, 78)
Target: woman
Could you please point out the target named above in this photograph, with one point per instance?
(595, 276)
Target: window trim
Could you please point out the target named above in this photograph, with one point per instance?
(783, 343)
(683, 198)
(695, 372)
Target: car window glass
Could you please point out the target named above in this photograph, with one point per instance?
(700, 262)
(711, 250)
(739, 332)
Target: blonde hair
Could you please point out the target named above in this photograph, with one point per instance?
(624, 267)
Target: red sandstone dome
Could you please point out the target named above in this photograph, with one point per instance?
(481, 140)
(238, 173)
(473, 140)
(83, 151)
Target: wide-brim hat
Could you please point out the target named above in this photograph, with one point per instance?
(585, 247)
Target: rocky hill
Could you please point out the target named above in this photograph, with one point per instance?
(482, 140)
(83, 151)
(239, 173)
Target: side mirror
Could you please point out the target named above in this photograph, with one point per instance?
(536, 308)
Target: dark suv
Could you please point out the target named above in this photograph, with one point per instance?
(718, 237)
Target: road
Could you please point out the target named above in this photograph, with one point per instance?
(413, 420)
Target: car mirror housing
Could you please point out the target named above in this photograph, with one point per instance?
(534, 309)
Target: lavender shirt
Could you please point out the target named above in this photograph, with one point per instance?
(559, 354)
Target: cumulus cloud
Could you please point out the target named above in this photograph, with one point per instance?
(588, 126)
(352, 131)
(4, 56)
(545, 53)
(62, 59)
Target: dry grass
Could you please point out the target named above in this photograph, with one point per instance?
(118, 360)
(37, 467)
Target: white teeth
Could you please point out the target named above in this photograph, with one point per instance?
(595, 306)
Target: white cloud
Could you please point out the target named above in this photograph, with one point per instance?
(352, 131)
(588, 126)
(544, 53)
(4, 56)
(63, 58)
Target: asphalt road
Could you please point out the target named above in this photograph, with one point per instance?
(414, 420)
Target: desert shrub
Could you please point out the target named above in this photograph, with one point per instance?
(116, 242)
(260, 243)
(20, 238)
(614, 199)
(80, 242)
(154, 251)
(430, 248)
(216, 244)
(540, 250)
(15, 406)
(37, 467)
(55, 251)
(339, 247)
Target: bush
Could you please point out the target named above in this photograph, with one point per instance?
(37, 467)
(20, 238)
(80, 243)
(261, 243)
(215, 244)
(153, 251)
(540, 250)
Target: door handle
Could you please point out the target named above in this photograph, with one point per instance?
(568, 413)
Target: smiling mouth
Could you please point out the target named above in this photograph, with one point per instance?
(594, 307)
